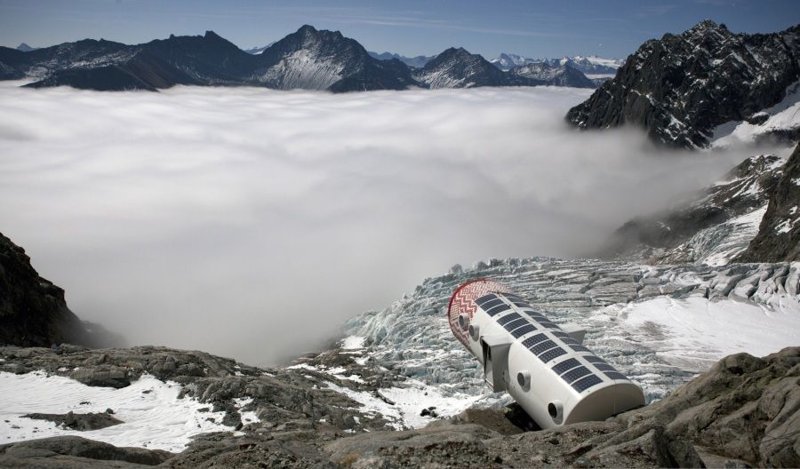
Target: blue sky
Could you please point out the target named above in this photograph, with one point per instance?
(611, 28)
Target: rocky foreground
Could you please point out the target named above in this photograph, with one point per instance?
(744, 411)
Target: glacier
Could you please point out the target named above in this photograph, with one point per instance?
(660, 325)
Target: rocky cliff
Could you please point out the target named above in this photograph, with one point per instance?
(778, 237)
(681, 87)
(33, 311)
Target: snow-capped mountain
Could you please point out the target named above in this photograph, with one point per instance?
(557, 75)
(589, 65)
(319, 60)
(681, 87)
(307, 59)
(593, 65)
(457, 68)
(415, 62)
(506, 61)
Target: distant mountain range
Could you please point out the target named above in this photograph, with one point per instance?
(591, 65)
(416, 62)
(681, 88)
(307, 59)
(25, 48)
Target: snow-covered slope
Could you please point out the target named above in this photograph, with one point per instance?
(781, 121)
(713, 228)
(304, 69)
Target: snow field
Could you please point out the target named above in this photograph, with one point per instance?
(153, 415)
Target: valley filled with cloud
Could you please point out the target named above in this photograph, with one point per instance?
(251, 223)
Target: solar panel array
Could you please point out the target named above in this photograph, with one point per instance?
(549, 343)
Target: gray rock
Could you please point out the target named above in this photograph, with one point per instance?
(81, 422)
(73, 451)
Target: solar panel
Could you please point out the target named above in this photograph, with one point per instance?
(552, 354)
(586, 383)
(561, 334)
(580, 348)
(560, 368)
(485, 299)
(615, 375)
(594, 359)
(539, 349)
(507, 319)
(604, 367)
(549, 324)
(575, 374)
(520, 331)
(531, 341)
(497, 309)
(510, 326)
(570, 341)
(491, 304)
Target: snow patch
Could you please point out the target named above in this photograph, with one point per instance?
(784, 116)
(353, 342)
(696, 332)
(403, 405)
(152, 414)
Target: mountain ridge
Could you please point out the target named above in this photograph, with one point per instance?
(306, 59)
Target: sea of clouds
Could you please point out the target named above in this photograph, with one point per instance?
(251, 223)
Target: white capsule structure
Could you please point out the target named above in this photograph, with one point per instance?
(542, 365)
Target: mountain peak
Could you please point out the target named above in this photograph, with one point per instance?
(706, 27)
(24, 47)
(307, 28)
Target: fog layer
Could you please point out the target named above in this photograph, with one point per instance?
(252, 223)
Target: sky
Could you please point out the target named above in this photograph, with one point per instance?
(611, 28)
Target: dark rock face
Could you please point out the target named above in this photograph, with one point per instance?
(81, 422)
(778, 237)
(680, 87)
(554, 75)
(33, 311)
(15, 64)
(660, 238)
